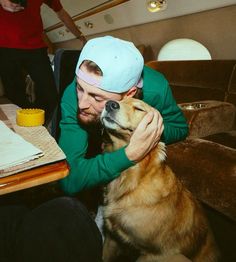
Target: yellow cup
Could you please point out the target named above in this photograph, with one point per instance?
(30, 117)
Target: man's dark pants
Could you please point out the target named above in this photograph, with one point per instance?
(15, 64)
(57, 231)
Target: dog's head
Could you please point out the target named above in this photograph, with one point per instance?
(122, 118)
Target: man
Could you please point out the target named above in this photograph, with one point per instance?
(23, 51)
(112, 69)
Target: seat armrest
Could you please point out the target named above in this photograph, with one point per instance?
(209, 117)
(208, 170)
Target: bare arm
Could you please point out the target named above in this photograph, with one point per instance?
(69, 23)
(11, 7)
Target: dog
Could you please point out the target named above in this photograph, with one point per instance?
(147, 207)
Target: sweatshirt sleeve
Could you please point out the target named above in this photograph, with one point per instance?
(158, 94)
(175, 124)
(84, 173)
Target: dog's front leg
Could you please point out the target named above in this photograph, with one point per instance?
(111, 249)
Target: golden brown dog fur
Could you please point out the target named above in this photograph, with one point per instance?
(147, 207)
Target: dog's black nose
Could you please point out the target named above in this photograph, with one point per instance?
(112, 105)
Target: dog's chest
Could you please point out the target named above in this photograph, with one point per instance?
(122, 208)
(118, 203)
(122, 222)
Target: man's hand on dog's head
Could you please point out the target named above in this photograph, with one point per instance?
(145, 137)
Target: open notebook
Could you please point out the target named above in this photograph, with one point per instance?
(14, 149)
(38, 137)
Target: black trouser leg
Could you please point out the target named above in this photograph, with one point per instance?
(38, 66)
(13, 80)
(58, 231)
(14, 63)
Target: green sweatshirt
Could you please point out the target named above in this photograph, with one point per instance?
(87, 172)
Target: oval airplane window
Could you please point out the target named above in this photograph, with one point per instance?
(183, 49)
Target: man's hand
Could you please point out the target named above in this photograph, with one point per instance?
(11, 7)
(145, 137)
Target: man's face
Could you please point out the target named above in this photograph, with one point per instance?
(91, 99)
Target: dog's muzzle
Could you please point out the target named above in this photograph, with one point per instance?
(108, 116)
(108, 113)
(112, 106)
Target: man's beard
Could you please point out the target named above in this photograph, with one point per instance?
(91, 119)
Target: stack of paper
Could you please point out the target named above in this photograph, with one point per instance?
(14, 150)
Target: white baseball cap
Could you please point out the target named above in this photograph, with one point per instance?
(120, 61)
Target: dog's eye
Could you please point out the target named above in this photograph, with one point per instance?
(139, 109)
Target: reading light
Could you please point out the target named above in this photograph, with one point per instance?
(155, 6)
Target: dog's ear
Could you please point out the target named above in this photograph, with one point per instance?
(131, 92)
(140, 106)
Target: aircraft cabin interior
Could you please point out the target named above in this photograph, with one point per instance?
(193, 44)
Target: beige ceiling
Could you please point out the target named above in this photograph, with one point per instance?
(73, 7)
(133, 12)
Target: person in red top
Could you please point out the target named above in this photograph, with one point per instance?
(22, 49)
